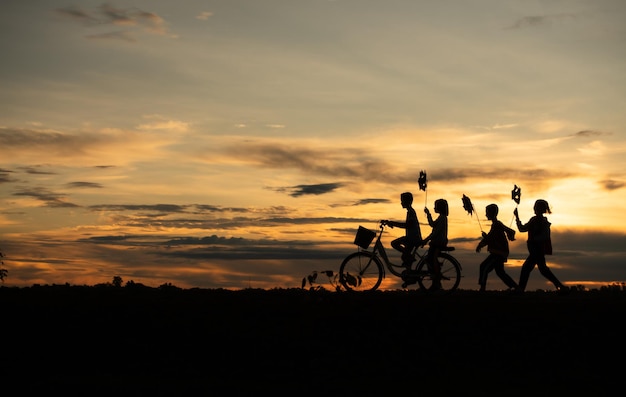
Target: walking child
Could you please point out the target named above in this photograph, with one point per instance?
(497, 242)
(539, 244)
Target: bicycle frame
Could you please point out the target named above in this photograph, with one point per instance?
(379, 250)
(365, 270)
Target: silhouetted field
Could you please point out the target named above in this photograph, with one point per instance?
(158, 341)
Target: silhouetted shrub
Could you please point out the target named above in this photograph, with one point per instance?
(117, 281)
(3, 272)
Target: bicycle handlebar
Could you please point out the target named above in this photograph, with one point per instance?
(384, 223)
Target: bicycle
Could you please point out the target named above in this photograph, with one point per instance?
(364, 271)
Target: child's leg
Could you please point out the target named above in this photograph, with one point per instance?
(435, 266)
(398, 244)
(499, 268)
(547, 273)
(484, 269)
(527, 267)
(433, 253)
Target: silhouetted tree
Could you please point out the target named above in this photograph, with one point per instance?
(117, 281)
(133, 284)
(168, 286)
(3, 272)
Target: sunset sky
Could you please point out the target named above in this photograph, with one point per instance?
(235, 144)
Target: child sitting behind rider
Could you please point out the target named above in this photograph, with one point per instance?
(412, 236)
(438, 239)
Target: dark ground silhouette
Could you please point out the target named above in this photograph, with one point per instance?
(161, 341)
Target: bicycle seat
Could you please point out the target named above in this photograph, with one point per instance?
(448, 249)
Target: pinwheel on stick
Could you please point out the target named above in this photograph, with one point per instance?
(423, 182)
(469, 207)
(516, 195)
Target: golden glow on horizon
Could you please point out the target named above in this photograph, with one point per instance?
(255, 141)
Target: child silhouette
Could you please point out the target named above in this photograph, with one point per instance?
(437, 239)
(539, 244)
(497, 242)
(412, 236)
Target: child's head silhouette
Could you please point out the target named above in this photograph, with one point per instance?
(441, 207)
(491, 211)
(542, 207)
(406, 198)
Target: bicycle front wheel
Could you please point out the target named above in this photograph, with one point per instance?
(450, 273)
(361, 271)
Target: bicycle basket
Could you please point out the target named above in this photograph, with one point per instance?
(364, 237)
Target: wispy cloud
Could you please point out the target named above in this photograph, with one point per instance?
(540, 20)
(50, 199)
(204, 15)
(485, 173)
(164, 124)
(134, 19)
(78, 14)
(216, 208)
(94, 147)
(317, 161)
(504, 126)
(36, 170)
(595, 148)
(612, 184)
(123, 35)
(317, 189)
(166, 208)
(84, 185)
(371, 201)
(18, 137)
(5, 176)
(590, 133)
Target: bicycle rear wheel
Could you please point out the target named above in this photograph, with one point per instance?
(361, 271)
(450, 273)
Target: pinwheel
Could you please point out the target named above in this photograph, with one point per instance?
(516, 194)
(423, 182)
(469, 207)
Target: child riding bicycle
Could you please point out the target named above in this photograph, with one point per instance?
(412, 236)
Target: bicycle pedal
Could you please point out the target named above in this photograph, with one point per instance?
(410, 278)
(406, 283)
